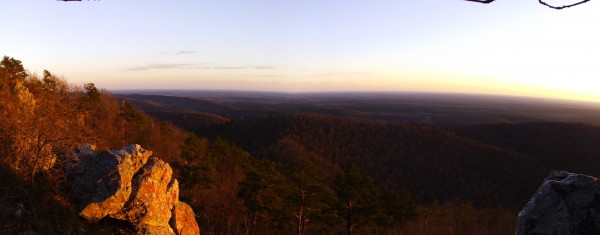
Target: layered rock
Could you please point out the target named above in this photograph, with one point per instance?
(566, 203)
(127, 184)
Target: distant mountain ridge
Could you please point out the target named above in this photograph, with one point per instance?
(428, 108)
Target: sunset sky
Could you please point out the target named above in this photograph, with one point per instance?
(514, 47)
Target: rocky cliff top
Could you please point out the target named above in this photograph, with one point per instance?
(129, 185)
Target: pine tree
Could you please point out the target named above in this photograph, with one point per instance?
(399, 207)
(258, 190)
(196, 169)
(309, 200)
(12, 69)
(360, 196)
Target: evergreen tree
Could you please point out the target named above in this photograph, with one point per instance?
(93, 95)
(12, 69)
(50, 83)
(309, 200)
(360, 196)
(399, 207)
(258, 190)
(196, 169)
(132, 114)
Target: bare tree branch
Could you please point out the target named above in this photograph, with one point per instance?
(541, 2)
(562, 7)
(481, 1)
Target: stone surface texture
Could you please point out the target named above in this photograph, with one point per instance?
(183, 221)
(565, 204)
(127, 184)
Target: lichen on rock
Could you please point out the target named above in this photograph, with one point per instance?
(183, 221)
(127, 184)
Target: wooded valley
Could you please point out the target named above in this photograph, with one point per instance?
(298, 173)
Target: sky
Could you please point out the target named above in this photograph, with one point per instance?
(510, 47)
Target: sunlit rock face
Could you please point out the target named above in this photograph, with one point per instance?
(131, 185)
(183, 221)
(24, 97)
(566, 203)
(154, 195)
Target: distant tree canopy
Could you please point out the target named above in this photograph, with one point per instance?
(541, 2)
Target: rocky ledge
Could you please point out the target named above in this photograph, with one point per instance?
(566, 203)
(130, 185)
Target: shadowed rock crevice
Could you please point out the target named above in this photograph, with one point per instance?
(129, 185)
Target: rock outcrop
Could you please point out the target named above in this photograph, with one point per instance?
(129, 185)
(566, 203)
(24, 97)
(182, 220)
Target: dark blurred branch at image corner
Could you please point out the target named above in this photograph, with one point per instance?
(541, 2)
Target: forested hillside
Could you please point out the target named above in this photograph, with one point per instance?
(561, 146)
(297, 173)
(483, 166)
(42, 119)
(429, 161)
(303, 175)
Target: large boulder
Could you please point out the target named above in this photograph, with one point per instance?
(565, 204)
(127, 184)
(101, 182)
(154, 196)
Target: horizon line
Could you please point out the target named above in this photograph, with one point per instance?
(124, 92)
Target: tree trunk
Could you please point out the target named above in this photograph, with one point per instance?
(253, 224)
(299, 227)
(349, 218)
(247, 224)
